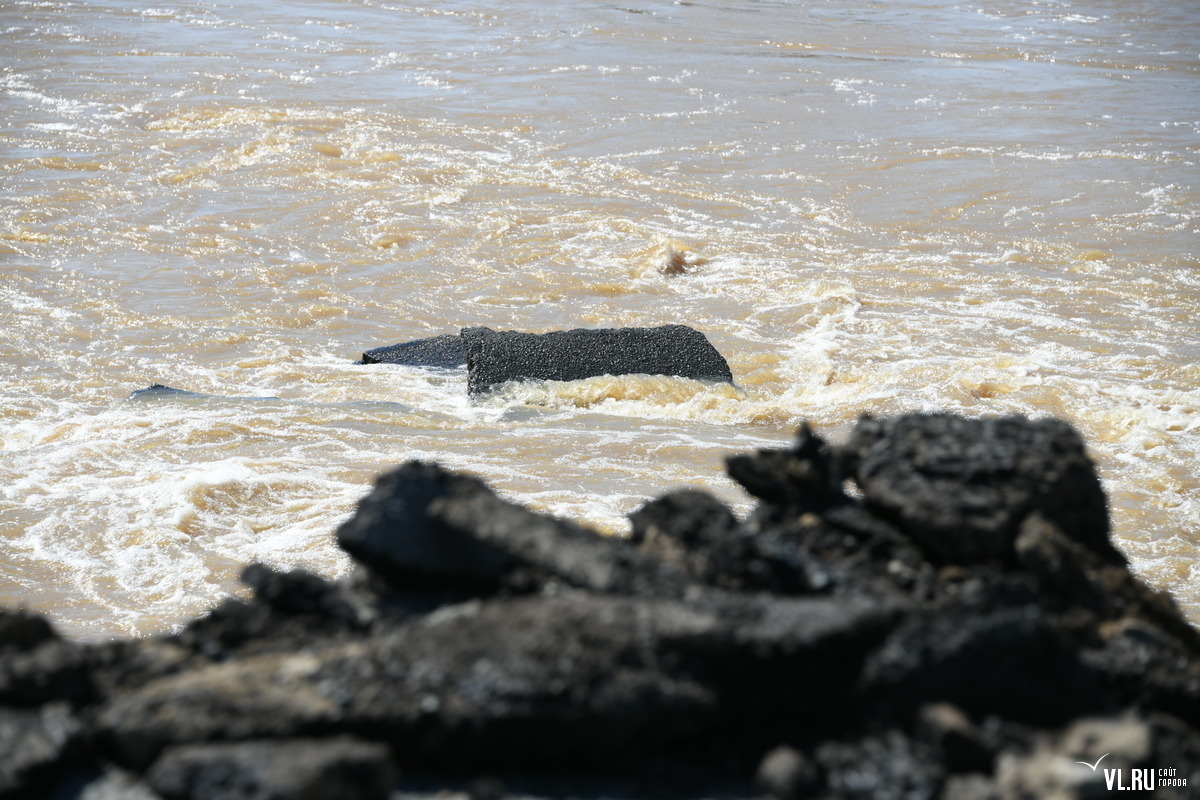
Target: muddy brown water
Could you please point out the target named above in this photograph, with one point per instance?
(867, 207)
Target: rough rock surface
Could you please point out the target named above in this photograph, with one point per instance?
(495, 357)
(963, 630)
(33, 743)
(288, 769)
(961, 487)
(444, 351)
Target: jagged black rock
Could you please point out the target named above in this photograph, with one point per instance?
(964, 629)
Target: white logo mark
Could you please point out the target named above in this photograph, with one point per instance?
(1093, 766)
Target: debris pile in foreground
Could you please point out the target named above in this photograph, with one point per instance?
(960, 628)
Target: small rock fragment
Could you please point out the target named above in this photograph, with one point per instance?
(802, 478)
(787, 774)
(299, 591)
(296, 769)
(960, 744)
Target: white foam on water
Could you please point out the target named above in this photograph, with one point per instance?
(285, 195)
(138, 498)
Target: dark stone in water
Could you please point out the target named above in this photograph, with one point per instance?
(495, 357)
(156, 390)
(888, 647)
(444, 351)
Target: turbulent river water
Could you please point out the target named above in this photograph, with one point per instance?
(879, 207)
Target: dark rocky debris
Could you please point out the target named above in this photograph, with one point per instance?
(961, 488)
(495, 357)
(964, 629)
